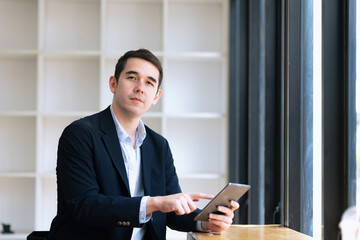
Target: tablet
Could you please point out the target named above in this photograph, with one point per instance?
(232, 191)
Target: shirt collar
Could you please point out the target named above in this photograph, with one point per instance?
(123, 136)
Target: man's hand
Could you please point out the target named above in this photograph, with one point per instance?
(219, 223)
(181, 203)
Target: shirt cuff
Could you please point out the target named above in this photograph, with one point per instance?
(143, 218)
(199, 227)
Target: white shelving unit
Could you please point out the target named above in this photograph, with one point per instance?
(56, 57)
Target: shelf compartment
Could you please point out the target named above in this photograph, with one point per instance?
(18, 199)
(130, 25)
(18, 83)
(154, 123)
(70, 84)
(72, 25)
(17, 144)
(52, 130)
(47, 203)
(18, 22)
(198, 146)
(106, 95)
(198, 26)
(16, 236)
(194, 85)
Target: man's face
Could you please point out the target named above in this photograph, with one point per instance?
(136, 89)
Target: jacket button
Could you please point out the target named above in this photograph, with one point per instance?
(127, 224)
(119, 223)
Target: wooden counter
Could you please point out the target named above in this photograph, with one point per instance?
(253, 232)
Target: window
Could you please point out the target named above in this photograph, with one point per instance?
(358, 103)
(292, 111)
(317, 119)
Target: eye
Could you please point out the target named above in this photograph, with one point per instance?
(131, 77)
(150, 83)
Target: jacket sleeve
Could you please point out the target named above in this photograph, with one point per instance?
(78, 190)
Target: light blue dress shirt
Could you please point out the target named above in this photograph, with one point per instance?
(132, 161)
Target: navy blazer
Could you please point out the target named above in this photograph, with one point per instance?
(93, 191)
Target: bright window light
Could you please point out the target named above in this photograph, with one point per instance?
(358, 108)
(317, 124)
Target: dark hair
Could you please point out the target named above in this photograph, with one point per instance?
(140, 53)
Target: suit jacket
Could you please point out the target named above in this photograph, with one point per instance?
(93, 191)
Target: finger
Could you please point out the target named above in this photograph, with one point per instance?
(190, 202)
(219, 226)
(234, 205)
(187, 205)
(200, 196)
(226, 211)
(179, 210)
(216, 218)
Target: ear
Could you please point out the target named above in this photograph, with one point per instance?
(112, 84)
(157, 97)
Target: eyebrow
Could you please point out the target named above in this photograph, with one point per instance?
(136, 73)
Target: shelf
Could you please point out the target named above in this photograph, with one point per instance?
(18, 81)
(197, 26)
(18, 235)
(55, 64)
(52, 130)
(197, 145)
(17, 144)
(51, 174)
(22, 14)
(72, 25)
(72, 114)
(69, 53)
(117, 53)
(106, 95)
(154, 123)
(195, 55)
(20, 113)
(146, 18)
(19, 201)
(8, 174)
(18, 52)
(70, 84)
(47, 203)
(206, 93)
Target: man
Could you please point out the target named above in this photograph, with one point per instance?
(116, 178)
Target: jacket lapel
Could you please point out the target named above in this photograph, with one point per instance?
(111, 142)
(147, 156)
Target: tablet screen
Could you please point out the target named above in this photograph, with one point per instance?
(232, 191)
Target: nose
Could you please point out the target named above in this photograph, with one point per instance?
(139, 88)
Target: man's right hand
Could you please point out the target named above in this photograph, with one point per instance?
(181, 203)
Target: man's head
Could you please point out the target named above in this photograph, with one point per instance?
(142, 54)
(135, 84)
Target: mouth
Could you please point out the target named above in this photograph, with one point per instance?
(136, 99)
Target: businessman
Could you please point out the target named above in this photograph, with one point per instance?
(116, 177)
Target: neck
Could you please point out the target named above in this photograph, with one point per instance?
(129, 124)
